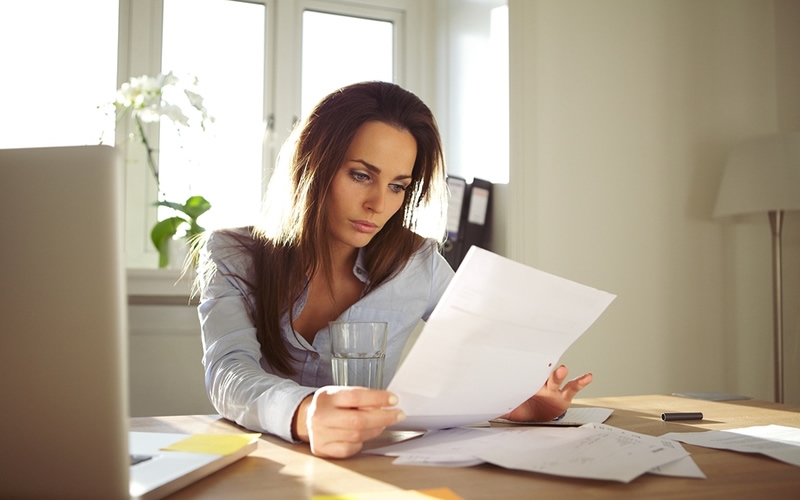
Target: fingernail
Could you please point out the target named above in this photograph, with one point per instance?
(401, 416)
(392, 399)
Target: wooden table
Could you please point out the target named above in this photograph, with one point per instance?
(285, 471)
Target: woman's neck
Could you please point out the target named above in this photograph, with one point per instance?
(329, 295)
(343, 258)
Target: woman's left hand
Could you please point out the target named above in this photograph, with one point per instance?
(552, 400)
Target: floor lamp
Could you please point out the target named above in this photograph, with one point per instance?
(763, 176)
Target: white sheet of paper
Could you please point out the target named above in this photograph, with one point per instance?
(449, 444)
(436, 461)
(575, 417)
(492, 341)
(593, 451)
(684, 467)
(776, 441)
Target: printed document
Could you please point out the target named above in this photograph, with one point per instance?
(594, 451)
(492, 341)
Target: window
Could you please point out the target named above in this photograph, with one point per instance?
(339, 49)
(222, 44)
(477, 67)
(52, 88)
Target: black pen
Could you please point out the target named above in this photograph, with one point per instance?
(692, 415)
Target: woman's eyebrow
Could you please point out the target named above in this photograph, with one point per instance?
(372, 168)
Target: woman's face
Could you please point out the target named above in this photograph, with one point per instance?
(369, 187)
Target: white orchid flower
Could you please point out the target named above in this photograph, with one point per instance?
(168, 79)
(174, 113)
(195, 99)
(147, 99)
(150, 114)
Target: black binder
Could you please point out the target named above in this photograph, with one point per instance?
(471, 225)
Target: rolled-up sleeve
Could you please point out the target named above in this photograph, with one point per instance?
(236, 383)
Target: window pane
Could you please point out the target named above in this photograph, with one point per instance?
(339, 50)
(221, 43)
(57, 65)
(477, 68)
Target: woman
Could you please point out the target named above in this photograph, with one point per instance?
(339, 243)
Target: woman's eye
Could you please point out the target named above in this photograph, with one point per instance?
(397, 188)
(359, 176)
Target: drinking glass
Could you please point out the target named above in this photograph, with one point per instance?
(358, 350)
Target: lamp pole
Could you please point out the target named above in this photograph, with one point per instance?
(776, 223)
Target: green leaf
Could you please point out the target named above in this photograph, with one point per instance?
(196, 206)
(166, 229)
(161, 235)
(171, 204)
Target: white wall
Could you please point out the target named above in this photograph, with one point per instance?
(164, 352)
(164, 346)
(622, 114)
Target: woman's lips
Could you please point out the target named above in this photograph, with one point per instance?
(364, 226)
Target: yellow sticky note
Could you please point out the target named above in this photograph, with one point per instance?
(214, 444)
(439, 493)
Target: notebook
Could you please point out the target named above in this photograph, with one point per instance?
(63, 337)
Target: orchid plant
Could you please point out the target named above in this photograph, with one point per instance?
(148, 99)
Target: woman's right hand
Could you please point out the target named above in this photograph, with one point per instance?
(337, 420)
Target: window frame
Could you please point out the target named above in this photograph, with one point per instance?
(389, 14)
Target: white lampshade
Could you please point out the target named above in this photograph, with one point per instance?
(762, 175)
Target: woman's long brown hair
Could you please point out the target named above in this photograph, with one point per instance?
(296, 246)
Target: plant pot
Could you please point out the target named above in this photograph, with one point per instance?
(178, 253)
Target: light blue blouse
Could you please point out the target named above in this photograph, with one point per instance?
(244, 388)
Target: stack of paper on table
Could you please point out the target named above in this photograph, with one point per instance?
(592, 451)
(497, 333)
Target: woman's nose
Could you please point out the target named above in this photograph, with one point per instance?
(376, 201)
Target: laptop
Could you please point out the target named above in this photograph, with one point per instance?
(63, 338)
